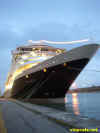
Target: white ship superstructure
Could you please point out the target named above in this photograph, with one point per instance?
(25, 57)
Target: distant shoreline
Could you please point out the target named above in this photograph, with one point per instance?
(85, 90)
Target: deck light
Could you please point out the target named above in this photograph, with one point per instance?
(65, 64)
(27, 76)
(44, 69)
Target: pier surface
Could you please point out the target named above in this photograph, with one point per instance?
(18, 117)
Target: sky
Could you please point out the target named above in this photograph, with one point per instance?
(55, 20)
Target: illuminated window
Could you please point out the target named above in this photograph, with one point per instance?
(27, 76)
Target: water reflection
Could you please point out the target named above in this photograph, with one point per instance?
(84, 104)
(75, 103)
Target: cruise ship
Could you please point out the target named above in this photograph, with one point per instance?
(42, 71)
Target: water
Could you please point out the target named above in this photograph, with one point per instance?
(84, 104)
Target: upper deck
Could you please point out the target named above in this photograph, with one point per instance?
(37, 48)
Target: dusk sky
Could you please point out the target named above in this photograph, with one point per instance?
(55, 20)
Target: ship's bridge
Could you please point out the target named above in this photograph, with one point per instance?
(40, 48)
(36, 51)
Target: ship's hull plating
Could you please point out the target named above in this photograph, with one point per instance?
(56, 80)
(53, 83)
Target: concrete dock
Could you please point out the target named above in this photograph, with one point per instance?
(18, 117)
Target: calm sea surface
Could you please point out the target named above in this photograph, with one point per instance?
(81, 104)
(84, 104)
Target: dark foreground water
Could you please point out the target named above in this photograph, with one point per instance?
(84, 104)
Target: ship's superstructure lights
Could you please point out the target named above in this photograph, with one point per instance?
(44, 70)
(59, 51)
(21, 62)
(9, 86)
(33, 49)
(33, 53)
(27, 76)
(24, 56)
